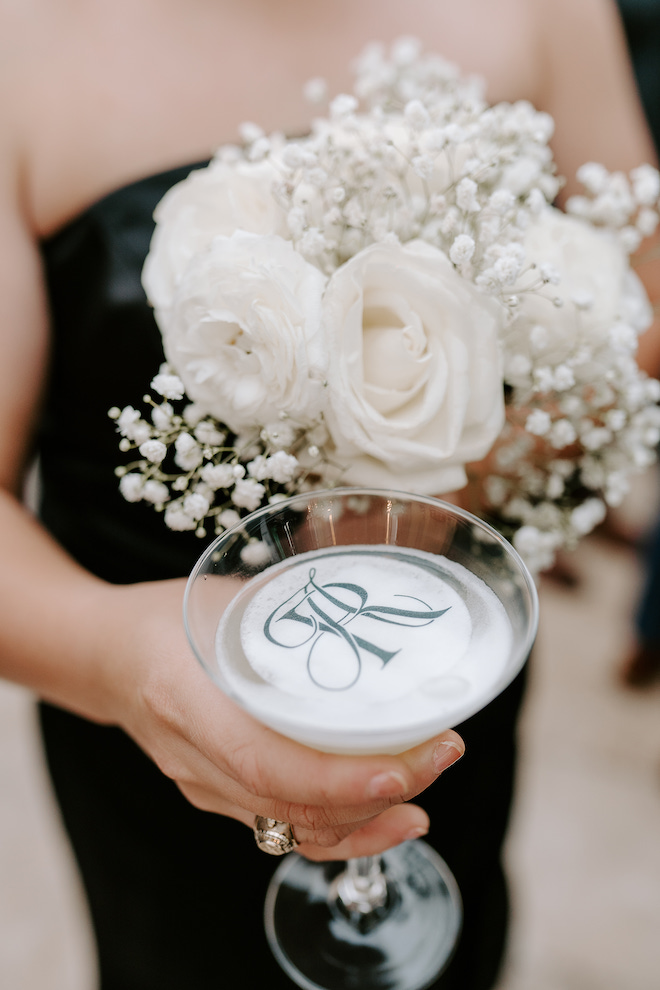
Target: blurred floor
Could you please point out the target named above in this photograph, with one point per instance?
(44, 935)
(584, 849)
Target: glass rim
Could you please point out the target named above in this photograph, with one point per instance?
(432, 500)
(464, 515)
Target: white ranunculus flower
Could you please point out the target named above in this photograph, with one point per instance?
(593, 267)
(215, 200)
(244, 332)
(415, 376)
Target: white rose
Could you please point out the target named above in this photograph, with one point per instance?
(592, 267)
(215, 200)
(244, 332)
(415, 378)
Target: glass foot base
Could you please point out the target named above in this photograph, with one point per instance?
(403, 946)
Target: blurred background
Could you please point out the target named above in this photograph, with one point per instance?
(584, 846)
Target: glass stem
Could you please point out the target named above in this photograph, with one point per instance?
(362, 887)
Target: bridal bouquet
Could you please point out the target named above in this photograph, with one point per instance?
(392, 301)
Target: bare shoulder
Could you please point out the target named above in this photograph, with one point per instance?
(46, 80)
(498, 41)
(589, 86)
(579, 35)
(14, 48)
(23, 332)
(587, 17)
(17, 42)
(27, 40)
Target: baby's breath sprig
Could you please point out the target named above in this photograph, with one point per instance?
(203, 477)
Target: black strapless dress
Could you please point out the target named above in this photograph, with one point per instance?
(176, 894)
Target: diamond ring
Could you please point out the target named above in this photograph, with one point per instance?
(273, 837)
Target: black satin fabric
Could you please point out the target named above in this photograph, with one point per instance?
(176, 894)
(106, 350)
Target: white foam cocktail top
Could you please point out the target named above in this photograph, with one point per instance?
(363, 648)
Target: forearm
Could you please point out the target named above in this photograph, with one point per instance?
(50, 610)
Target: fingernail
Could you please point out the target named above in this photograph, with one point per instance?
(386, 785)
(446, 753)
(415, 833)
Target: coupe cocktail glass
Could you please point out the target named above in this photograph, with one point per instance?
(364, 621)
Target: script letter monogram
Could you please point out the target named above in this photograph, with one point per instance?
(315, 611)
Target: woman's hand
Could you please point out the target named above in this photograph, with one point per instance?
(118, 654)
(226, 762)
